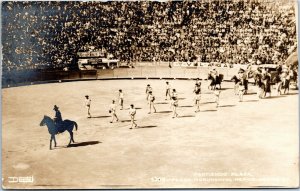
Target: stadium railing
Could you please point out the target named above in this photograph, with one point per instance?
(138, 72)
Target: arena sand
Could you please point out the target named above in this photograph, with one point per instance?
(248, 144)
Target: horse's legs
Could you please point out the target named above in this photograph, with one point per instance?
(54, 141)
(50, 147)
(285, 87)
(72, 137)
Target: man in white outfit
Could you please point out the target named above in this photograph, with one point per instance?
(112, 111)
(88, 105)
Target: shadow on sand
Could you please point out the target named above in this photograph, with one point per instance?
(250, 93)
(164, 112)
(82, 144)
(183, 116)
(161, 103)
(292, 94)
(226, 105)
(226, 88)
(147, 126)
(209, 110)
(103, 116)
(254, 100)
(208, 102)
(273, 97)
(124, 121)
(135, 108)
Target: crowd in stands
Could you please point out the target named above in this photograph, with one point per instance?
(48, 34)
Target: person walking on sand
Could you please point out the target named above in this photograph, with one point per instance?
(168, 90)
(88, 105)
(151, 102)
(241, 91)
(132, 113)
(197, 100)
(174, 105)
(197, 86)
(112, 111)
(121, 99)
(148, 89)
(174, 94)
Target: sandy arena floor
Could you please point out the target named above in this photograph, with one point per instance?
(248, 144)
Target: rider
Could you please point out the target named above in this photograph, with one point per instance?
(57, 119)
(241, 74)
(214, 73)
(279, 69)
(267, 81)
(243, 77)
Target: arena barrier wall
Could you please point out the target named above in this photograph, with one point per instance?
(139, 72)
(165, 72)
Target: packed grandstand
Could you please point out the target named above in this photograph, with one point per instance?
(39, 35)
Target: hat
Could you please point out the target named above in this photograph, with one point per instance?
(86, 96)
(55, 107)
(148, 85)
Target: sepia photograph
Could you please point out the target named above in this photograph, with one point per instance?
(150, 94)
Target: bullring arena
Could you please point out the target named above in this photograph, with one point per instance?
(250, 144)
(55, 53)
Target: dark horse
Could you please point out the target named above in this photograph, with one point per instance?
(294, 77)
(66, 125)
(281, 84)
(215, 81)
(236, 86)
(285, 86)
(260, 84)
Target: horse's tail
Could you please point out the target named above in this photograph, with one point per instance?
(76, 126)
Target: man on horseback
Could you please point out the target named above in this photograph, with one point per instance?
(57, 119)
(215, 78)
(214, 73)
(243, 77)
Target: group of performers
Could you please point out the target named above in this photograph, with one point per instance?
(261, 76)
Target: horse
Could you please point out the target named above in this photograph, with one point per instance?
(285, 85)
(294, 77)
(236, 86)
(278, 82)
(261, 85)
(267, 81)
(215, 81)
(53, 129)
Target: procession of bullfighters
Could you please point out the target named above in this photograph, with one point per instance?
(150, 94)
